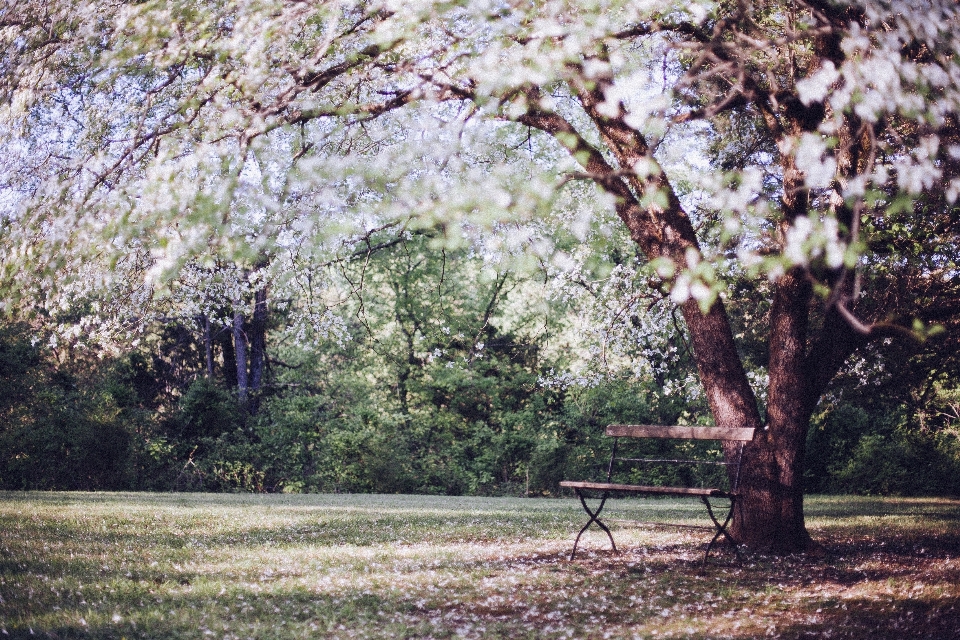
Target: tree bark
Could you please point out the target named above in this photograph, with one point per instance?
(770, 513)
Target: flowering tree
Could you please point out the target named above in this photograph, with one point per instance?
(850, 118)
(810, 146)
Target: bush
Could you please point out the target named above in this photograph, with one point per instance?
(205, 411)
(834, 435)
(905, 465)
(66, 440)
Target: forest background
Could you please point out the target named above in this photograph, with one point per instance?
(440, 375)
(337, 247)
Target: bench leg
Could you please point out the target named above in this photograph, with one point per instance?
(594, 517)
(721, 528)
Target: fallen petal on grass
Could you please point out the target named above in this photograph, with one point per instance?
(368, 566)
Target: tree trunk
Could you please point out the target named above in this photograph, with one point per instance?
(770, 513)
(225, 340)
(721, 372)
(240, 347)
(207, 345)
(258, 347)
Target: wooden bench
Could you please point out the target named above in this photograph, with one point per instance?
(732, 460)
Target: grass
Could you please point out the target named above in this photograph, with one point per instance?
(103, 565)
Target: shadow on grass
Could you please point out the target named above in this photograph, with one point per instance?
(904, 619)
(864, 587)
(878, 507)
(606, 581)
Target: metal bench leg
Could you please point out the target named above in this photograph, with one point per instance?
(594, 517)
(721, 529)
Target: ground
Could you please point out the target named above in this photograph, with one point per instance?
(75, 565)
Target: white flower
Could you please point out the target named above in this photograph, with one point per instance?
(815, 87)
(796, 237)
(818, 171)
(681, 289)
(834, 248)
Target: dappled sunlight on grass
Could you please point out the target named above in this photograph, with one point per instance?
(230, 566)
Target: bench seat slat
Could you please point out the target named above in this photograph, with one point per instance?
(679, 432)
(638, 488)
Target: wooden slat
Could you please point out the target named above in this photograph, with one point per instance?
(637, 488)
(678, 432)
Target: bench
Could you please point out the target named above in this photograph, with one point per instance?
(732, 459)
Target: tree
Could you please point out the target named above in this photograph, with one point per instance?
(231, 305)
(809, 145)
(834, 91)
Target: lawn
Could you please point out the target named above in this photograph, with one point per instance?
(106, 565)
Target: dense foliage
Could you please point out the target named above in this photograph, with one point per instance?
(447, 384)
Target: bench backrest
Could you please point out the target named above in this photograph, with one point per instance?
(679, 433)
(726, 434)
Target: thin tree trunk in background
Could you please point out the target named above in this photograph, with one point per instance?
(258, 347)
(208, 346)
(240, 348)
(225, 340)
